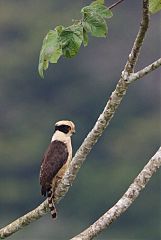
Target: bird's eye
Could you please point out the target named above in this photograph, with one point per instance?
(69, 128)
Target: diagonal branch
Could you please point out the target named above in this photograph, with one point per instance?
(135, 76)
(125, 201)
(91, 139)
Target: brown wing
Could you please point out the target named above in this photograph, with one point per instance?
(54, 158)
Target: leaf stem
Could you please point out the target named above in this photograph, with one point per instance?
(115, 4)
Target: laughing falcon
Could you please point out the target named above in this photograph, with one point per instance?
(56, 160)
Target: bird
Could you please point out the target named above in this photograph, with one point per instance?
(56, 161)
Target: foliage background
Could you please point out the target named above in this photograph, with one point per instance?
(76, 89)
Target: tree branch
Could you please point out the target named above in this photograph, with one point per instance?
(135, 76)
(133, 56)
(93, 136)
(125, 201)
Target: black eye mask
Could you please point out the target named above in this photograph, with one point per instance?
(63, 128)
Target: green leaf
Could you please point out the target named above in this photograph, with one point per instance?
(94, 19)
(50, 52)
(71, 39)
(96, 25)
(85, 38)
(97, 8)
(101, 9)
(154, 6)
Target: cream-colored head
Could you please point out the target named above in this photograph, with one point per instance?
(65, 126)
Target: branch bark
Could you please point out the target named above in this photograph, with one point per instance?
(125, 201)
(133, 56)
(135, 76)
(91, 139)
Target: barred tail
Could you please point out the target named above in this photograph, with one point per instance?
(51, 204)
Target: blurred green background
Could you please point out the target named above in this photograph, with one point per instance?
(77, 89)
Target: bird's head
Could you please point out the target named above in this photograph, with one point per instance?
(65, 126)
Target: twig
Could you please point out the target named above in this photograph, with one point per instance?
(125, 201)
(99, 127)
(115, 4)
(135, 76)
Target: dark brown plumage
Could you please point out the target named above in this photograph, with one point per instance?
(54, 158)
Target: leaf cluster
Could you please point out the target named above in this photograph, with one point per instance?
(66, 41)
